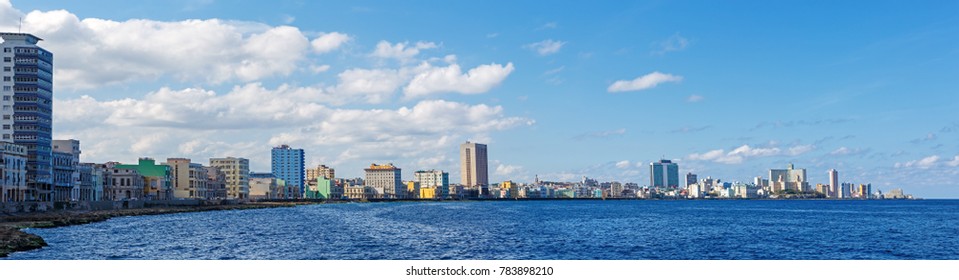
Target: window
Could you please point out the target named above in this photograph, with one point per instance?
(6, 59)
(6, 78)
(6, 136)
(6, 50)
(6, 69)
(6, 98)
(6, 88)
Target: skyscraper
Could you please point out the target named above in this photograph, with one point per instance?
(691, 178)
(27, 108)
(664, 173)
(834, 184)
(789, 178)
(287, 164)
(474, 167)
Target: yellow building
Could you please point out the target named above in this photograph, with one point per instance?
(428, 193)
(412, 189)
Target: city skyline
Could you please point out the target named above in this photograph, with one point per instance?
(598, 90)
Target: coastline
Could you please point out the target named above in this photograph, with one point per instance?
(13, 239)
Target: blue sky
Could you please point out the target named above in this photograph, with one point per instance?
(557, 89)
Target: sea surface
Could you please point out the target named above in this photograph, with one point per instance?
(561, 229)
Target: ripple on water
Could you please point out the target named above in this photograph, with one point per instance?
(527, 230)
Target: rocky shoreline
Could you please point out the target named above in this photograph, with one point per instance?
(13, 239)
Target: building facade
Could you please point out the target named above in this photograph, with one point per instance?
(834, 190)
(434, 179)
(287, 164)
(121, 183)
(13, 172)
(72, 147)
(320, 170)
(27, 108)
(91, 182)
(664, 174)
(215, 182)
(157, 178)
(236, 172)
(474, 168)
(788, 179)
(189, 179)
(63, 182)
(386, 178)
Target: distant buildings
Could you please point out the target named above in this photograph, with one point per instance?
(664, 173)
(474, 167)
(237, 172)
(265, 186)
(189, 179)
(386, 181)
(436, 179)
(788, 179)
(834, 190)
(66, 160)
(288, 164)
(690, 178)
(156, 178)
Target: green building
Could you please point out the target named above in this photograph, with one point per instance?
(156, 178)
(319, 188)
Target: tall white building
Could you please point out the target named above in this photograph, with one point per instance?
(789, 178)
(13, 172)
(237, 172)
(27, 82)
(474, 168)
(834, 184)
(386, 178)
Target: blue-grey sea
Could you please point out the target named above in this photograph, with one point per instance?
(561, 229)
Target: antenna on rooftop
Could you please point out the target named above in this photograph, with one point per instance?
(20, 27)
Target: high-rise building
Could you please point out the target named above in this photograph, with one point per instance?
(789, 178)
(27, 108)
(287, 164)
(386, 178)
(691, 178)
(434, 178)
(664, 173)
(834, 190)
(236, 174)
(474, 167)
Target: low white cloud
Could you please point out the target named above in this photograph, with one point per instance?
(924, 163)
(644, 82)
(403, 51)
(694, 98)
(505, 170)
(452, 79)
(744, 152)
(328, 42)
(316, 69)
(545, 47)
(623, 164)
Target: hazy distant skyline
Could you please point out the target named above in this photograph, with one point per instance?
(559, 89)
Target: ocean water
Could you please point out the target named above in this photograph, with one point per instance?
(567, 229)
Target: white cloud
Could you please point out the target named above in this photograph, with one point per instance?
(548, 25)
(954, 162)
(694, 98)
(404, 52)
(546, 47)
(924, 163)
(505, 170)
(328, 42)
(741, 153)
(671, 44)
(452, 79)
(212, 51)
(801, 149)
(644, 82)
(623, 164)
(316, 69)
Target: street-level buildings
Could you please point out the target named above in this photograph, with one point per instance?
(92, 178)
(215, 182)
(26, 99)
(121, 183)
(236, 172)
(387, 178)
(62, 167)
(156, 178)
(189, 179)
(434, 179)
(13, 172)
(287, 164)
(63, 182)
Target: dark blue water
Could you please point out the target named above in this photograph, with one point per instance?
(757, 229)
